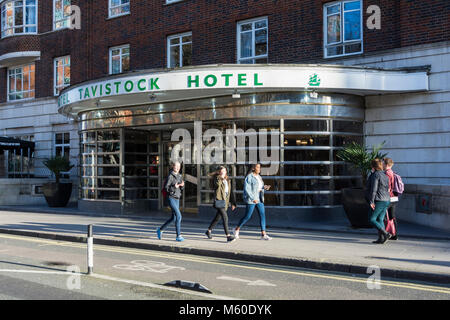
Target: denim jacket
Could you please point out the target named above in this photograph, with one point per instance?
(251, 192)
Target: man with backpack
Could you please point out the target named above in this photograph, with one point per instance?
(396, 188)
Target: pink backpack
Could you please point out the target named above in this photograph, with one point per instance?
(398, 186)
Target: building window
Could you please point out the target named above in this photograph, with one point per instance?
(62, 144)
(61, 14)
(62, 74)
(118, 7)
(342, 28)
(21, 82)
(19, 17)
(19, 163)
(179, 48)
(252, 41)
(119, 59)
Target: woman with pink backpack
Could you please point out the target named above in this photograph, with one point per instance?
(395, 189)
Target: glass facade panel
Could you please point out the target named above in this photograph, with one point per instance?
(306, 172)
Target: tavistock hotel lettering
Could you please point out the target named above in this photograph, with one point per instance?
(161, 82)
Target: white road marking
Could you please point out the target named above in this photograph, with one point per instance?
(147, 265)
(41, 272)
(249, 282)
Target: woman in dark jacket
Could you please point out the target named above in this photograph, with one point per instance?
(223, 193)
(173, 186)
(377, 195)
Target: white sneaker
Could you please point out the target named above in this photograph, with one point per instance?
(266, 237)
(236, 234)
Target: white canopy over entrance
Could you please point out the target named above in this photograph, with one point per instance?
(156, 86)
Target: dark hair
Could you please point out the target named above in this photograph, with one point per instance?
(377, 164)
(253, 167)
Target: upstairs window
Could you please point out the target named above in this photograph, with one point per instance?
(252, 41)
(21, 82)
(342, 28)
(119, 59)
(61, 14)
(19, 17)
(62, 74)
(179, 48)
(118, 8)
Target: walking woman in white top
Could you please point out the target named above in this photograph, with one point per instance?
(254, 188)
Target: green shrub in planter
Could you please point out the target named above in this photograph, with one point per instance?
(57, 194)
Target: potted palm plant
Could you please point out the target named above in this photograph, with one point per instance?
(355, 206)
(57, 194)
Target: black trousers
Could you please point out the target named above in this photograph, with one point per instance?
(221, 213)
(392, 213)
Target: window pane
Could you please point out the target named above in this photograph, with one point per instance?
(305, 140)
(333, 9)
(174, 57)
(306, 125)
(260, 24)
(352, 5)
(246, 27)
(187, 55)
(352, 25)
(348, 126)
(260, 42)
(58, 138)
(126, 63)
(334, 51)
(246, 45)
(352, 48)
(115, 64)
(334, 29)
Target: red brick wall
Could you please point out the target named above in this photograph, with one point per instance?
(295, 33)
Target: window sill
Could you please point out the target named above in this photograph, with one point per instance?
(118, 16)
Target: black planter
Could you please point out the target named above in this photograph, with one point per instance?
(356, 207)
(57, 194)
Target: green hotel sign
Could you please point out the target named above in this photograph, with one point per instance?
(161, 82)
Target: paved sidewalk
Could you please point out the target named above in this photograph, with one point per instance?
(420, 254)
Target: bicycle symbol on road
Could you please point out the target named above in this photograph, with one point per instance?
(146, 265)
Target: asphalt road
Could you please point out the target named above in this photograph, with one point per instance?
(34, 268)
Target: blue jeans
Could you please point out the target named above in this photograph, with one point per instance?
(376, 216)
(176, 215)
(249, 211)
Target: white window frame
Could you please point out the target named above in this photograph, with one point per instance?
(23, 25)
(55, 74)
(110, 7)
(29, 81)
(180, 44)
(238, 36)
(127, 46)
(66, 18)
(342, 41)
(63, 145)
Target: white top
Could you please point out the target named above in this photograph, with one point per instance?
(260, 182)
(225, 182)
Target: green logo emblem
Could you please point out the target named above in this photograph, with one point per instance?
(314, 80)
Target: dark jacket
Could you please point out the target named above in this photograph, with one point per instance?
(377, 188)
(171, 180)
(219, 192)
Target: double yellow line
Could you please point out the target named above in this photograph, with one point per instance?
(237, 264)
